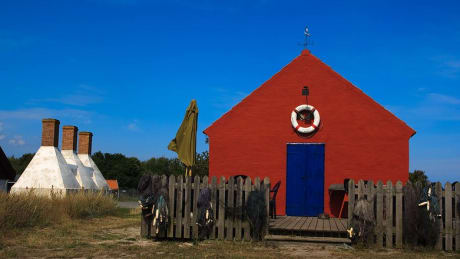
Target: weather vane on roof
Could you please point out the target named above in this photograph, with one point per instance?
(307, 34)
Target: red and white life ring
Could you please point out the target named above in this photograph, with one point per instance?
(316, 119)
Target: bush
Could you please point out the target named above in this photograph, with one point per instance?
(28, 209)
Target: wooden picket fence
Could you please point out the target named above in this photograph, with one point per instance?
(231, 193)
(389, 212)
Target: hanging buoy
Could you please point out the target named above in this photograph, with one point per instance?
(295, 124)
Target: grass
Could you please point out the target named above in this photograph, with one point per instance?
(92, 235)
(22, 210)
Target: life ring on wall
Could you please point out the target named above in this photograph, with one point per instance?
(316, 118)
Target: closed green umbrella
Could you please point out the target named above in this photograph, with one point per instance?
(184, 144)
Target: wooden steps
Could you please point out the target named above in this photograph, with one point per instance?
(329, 240)
(308, 226)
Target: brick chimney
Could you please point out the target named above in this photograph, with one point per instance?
(84, 142)
(69, 138)
(50, 132)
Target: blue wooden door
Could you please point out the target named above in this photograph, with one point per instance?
(305, 179)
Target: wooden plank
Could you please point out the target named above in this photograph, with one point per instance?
(312, 226)
(438, 188)
(307, 223)
(256, 186)
(229, 220)
(247, 190)
(361, 189)
(196, 193)
(299, 223)
(213, 188)
(280, 221)
(188, 201)
(389, 215)
(308, 239)
(379, 207)
(266, 184)
(448, 216)
(333, 225)
(221, 219)
(327, 225)
(293, 222)
(286, 223)
(399, 214)
(302, 223)
(320, 225)
(179, 186)
(457, 217)
(351, 200)
(344, 223)
(172, 208)
(238, 209)
(204, 184)
(339, 224)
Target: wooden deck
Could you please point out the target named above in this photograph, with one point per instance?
(308, 226)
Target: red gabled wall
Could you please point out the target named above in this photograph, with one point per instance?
(362, 139)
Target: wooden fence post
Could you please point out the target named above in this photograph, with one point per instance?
(379, 226)
(172, 209)
(389, 215)
(370, 193)
(179, 208)
(361, 189)
(457, 216)
(196, 194)
(398, 214)
(213, 188)
(351, 200)
(245, 223)
(238, 210)
(187, 203)
(229, 220)
(221, 220)
(267, 201)
(448, 215)
(441, 227)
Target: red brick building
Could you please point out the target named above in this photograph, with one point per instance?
(357, 137)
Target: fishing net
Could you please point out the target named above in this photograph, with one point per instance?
(205, 220)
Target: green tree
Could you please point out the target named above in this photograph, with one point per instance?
(20, 164)
(127, 170)
(418, 177)
(201, 166)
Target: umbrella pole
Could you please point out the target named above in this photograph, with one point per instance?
(188, 171)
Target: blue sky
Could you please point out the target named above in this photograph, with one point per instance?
(126, 70)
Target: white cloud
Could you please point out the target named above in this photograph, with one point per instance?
(133, 126)
(82, 95)
(226, 99)
(17, 141)
(2, 136)
(435, 106)
(448, 66)
(443, 98)
(40, 113)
